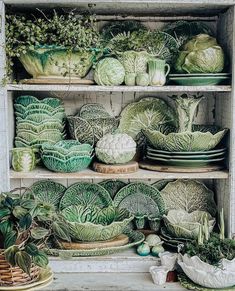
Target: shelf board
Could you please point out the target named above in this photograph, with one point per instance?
(95, 88)
(42, 173)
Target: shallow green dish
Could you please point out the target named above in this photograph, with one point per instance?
(109, 222)
(186, 153)
(185, 163)
(186, 157)
(135, 238)
(70, 165)
(199, 81)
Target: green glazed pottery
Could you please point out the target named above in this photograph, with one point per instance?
(168, 153)
(199, 80)
(142, 200)
(189, 195)
(113, 186)
(23, 159)
(48, 192)
(180, 223)
(184, 141)
(87, 194)
(158, 70)
(55, 61)
(94, 224)
(135, 238)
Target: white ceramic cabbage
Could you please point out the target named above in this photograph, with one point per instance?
(207, 275)
(180, 223)
(116, 148)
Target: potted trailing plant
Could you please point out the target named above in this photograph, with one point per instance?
(210, 260)
(25, 227)
(52, 45)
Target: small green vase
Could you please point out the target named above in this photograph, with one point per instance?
(130, 79)
(142, 79)
(23, 159)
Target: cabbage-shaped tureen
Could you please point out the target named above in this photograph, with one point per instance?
(180, 223)
(109, 72)
(89, 223)
(201, 54)
(207, 275)
(116, 148)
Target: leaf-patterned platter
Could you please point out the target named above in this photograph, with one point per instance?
(48, 192)
(113, 186)
(142, 200)
(147, 113)
(189, 195)
(135, 239)
(85, 193)
(159, 185)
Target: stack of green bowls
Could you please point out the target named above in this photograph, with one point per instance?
(38, 121)
(66, 156)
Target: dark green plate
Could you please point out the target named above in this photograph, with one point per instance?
(199, 81)
(186, 153)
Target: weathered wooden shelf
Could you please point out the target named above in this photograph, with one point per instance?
(95, 88)
(41, 173)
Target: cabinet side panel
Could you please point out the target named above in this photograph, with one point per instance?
(225, 117)
(4, 153)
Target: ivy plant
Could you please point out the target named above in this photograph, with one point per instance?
(25, 227)
(75, 32)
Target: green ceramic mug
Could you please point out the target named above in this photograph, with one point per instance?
(23, 159)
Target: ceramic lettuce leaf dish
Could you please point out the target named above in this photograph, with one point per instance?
(87, 223)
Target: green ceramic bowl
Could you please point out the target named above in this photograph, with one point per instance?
(184, 141)
(87, 223)
(70, 165)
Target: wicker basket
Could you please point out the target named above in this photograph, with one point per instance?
(14, 276)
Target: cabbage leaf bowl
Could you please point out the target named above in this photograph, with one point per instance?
(56, 61)
(180, 223)
(184, 141)
(87, 223)
(206, 275)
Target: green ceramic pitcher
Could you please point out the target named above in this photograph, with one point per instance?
(23, 159)
(158, 70)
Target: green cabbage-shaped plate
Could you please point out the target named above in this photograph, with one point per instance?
(91, 130)
(38, 118)
(27, 100)
(48, 192)
(189, 195)
(113, 186)
(85, 193)
(147, 113)
(142, 200)
(184, 141)
(22, 126)
(55, 114)
(68, 165)
(108, 222)
(180, 223)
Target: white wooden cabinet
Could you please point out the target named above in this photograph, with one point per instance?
(217, 108)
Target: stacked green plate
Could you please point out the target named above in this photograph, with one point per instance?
(200, 79)
(38, 121)
(186, 159)
(66, 156)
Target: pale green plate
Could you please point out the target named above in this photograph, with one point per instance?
(135, 238)
(199, 81)
(186, 153)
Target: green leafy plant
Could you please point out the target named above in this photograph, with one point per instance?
(23, 32)
(211, 248)
(25, 227)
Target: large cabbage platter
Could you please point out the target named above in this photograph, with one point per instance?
(189, 195)
(207, 275)
(147, 113)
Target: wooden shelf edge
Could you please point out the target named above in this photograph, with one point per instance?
(95, 88)
(41, 173)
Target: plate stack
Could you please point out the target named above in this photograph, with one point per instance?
(186, 159)
(38, 121)
(200, 79)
